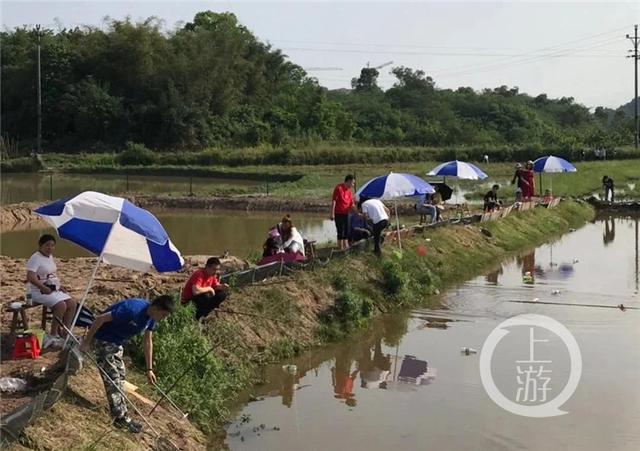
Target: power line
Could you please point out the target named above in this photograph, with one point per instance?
(389, 52)
(361, 44)
(561, 53)
(524, 59)
(545, 49)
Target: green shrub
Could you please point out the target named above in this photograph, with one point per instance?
(135, 154)
(394, 277)
(23, 164)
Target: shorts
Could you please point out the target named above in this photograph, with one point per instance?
(51, 299)
(342, 226)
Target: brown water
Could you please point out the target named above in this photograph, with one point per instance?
(193, 232)
(34, 187)
(336, 400)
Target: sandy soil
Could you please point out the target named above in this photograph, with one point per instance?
(111, 284)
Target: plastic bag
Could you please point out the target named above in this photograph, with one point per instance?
(12, 385)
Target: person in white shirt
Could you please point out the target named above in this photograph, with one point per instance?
(44, 285)
(376, 212)
(291, 237)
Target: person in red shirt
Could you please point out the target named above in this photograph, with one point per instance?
(342, 204)
(204, 288)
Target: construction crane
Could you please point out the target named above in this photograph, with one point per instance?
(388, 63)
(315, 69)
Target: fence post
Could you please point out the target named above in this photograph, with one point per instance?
(267, 185)
(191, 186)
(51, 186)
(127, 183)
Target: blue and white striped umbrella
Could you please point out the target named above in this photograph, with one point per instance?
(394, 185)
(114, 229)
(458, 169)
(552, 164)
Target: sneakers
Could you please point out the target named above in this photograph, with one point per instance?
(127, 424)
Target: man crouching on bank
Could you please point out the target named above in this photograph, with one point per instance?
(116, 325)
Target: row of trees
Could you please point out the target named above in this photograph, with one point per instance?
(212, 83)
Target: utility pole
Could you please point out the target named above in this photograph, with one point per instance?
(634, 40)
(39, 108)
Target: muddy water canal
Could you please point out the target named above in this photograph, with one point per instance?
(405, 384)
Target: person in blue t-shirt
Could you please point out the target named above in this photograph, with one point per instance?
(111, 329)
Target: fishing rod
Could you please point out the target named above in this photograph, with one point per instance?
(619, 306)
(105, 374)
(164, 394)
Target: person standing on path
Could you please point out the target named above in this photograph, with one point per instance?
(341, 205)
(111, 330)
(608, 187)
(529, 189)
(518, 177)
(375, 211)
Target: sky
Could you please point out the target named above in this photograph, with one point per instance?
(564, 49)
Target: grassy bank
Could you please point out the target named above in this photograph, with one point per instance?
(321, 154)
(315, 307)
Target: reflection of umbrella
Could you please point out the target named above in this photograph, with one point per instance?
(117, 231)
(413, 372)
(392, 186)
(458, 169)
(444, 190)
(551, 164)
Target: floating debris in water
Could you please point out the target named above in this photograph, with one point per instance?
(575, 260)
(468, 351)
(554, 292)
(535, 300)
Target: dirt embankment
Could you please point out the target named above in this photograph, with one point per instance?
(21, 216)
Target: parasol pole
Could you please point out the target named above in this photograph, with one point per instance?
(540, 181)
(89, 284)
(84, 297)
(395, 205)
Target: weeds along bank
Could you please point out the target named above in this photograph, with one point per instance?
(311, 308)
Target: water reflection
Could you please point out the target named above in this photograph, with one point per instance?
(375, 367)
(609, 233)
(493, 276)
(343, 375)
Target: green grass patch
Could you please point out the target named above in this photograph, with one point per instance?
(209, 382)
